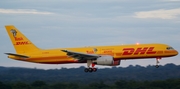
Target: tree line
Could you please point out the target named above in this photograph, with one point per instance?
(120, 84)
(108, 75)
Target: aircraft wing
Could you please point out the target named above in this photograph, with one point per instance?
(18, 55)
(81, 56)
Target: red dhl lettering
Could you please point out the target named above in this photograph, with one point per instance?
(22, 43)
(128, 51)
(150, 51)
(140, 50)
(133, 51)
(18, 38)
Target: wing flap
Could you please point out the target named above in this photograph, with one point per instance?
(81, 56)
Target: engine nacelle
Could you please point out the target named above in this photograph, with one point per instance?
(106, 60)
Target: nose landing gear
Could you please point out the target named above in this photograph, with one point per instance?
(157, 62)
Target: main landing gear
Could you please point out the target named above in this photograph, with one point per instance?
(89, 69)
(157, 62)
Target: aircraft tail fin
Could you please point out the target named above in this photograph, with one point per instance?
(19, 41)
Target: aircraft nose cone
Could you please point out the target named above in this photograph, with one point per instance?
(176, 52)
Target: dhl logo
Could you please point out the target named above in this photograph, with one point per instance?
(136, 51)
(22, 43)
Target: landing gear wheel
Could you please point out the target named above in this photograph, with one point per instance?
(94, 69)
(90, 70)
(157, 66)
(86, 70)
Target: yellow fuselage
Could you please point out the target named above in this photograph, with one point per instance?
(119, 52)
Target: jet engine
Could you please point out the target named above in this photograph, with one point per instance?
(106, 60)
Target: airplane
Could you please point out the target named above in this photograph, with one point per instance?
(95, 55)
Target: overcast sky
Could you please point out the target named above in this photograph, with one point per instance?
(79, 23)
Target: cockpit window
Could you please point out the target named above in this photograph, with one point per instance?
(170, 48)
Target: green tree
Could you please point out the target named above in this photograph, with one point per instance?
(100, 85)
(39, 85)
(4, 86)
(20, 85)
(59, 86)
(121, 84)
(73, 86)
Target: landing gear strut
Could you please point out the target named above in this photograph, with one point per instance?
(157, 62)
(89, 69)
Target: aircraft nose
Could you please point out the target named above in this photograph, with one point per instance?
(176, 52)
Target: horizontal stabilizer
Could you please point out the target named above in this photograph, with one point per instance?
(18, 55)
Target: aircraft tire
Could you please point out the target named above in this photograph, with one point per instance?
(86, 70)
(94, 69)
(157, 66)
(90, 69)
